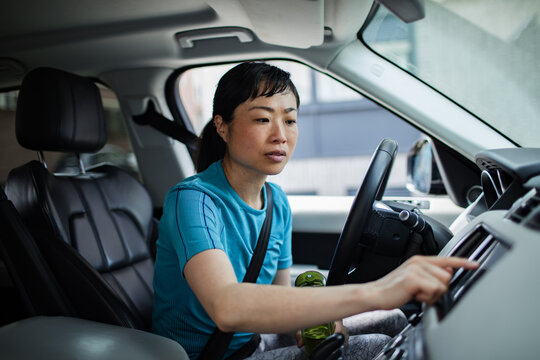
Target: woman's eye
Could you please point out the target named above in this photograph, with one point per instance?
(290, 122)
(262, 120)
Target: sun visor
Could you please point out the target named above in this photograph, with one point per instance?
(277, 22)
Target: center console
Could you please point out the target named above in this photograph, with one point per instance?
(490, 312)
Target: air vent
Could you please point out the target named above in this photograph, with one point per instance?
(526, 210)
(486, 164)
(481, 246)
(467, 246)
(534, 221)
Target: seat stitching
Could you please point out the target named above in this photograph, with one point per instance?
(126, 296)
(91, 221)
(127, 250)
(137, 272)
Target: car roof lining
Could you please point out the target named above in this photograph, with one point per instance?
(87, 36)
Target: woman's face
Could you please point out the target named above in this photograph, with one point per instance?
(262, 135)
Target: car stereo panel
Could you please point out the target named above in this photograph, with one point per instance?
(486, 307)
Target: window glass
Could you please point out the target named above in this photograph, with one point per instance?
(11, 153)
(338, 131)
(197, 87)
(483, 54)
(117, 151)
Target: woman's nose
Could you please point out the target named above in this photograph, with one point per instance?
(278, 133)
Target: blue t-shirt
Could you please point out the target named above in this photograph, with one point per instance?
(200, 213)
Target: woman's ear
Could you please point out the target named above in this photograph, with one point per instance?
(221, 127)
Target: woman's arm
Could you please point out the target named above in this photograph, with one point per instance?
(249, 307)
(283, 277)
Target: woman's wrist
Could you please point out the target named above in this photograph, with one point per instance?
(368, 297)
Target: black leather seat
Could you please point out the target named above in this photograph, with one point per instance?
(94, 228)
(38, 290)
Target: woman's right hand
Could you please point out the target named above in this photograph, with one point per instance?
(422, 278)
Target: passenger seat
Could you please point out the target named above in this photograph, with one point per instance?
(94, 228)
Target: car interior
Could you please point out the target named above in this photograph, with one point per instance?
(418, 124)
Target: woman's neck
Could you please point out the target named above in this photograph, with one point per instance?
(246, 184)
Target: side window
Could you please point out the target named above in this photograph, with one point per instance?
(338, 131)
(117, 151)
(11, 153)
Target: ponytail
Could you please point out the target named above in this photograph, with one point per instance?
(211, 147)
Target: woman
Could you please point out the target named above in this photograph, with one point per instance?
(211, 223)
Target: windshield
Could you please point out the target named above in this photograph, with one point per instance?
(483, 54)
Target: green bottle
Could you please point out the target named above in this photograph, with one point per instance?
(314, 335)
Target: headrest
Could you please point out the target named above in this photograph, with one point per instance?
(59, 111)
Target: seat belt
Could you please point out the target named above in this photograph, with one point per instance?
(170, 128)
(217, 345)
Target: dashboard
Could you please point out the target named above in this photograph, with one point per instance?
(505, 172)
(490, 312)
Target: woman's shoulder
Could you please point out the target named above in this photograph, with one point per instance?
(206, 181)
(202, 187)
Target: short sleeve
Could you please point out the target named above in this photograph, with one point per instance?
(196, 226)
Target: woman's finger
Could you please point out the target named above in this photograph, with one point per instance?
(340, 328)
(440, 273)
(430, 288)
(447, 261)
(299, 339)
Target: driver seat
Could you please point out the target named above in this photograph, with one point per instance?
(94, 228)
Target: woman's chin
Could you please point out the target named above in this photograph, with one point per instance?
(275, 170)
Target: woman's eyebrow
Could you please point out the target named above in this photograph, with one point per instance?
(266, 108)
(269, 109)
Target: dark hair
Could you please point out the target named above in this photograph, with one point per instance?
(245, 81)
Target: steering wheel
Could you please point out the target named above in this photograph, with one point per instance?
(372, 189)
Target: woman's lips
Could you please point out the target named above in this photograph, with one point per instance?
(276, 156)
